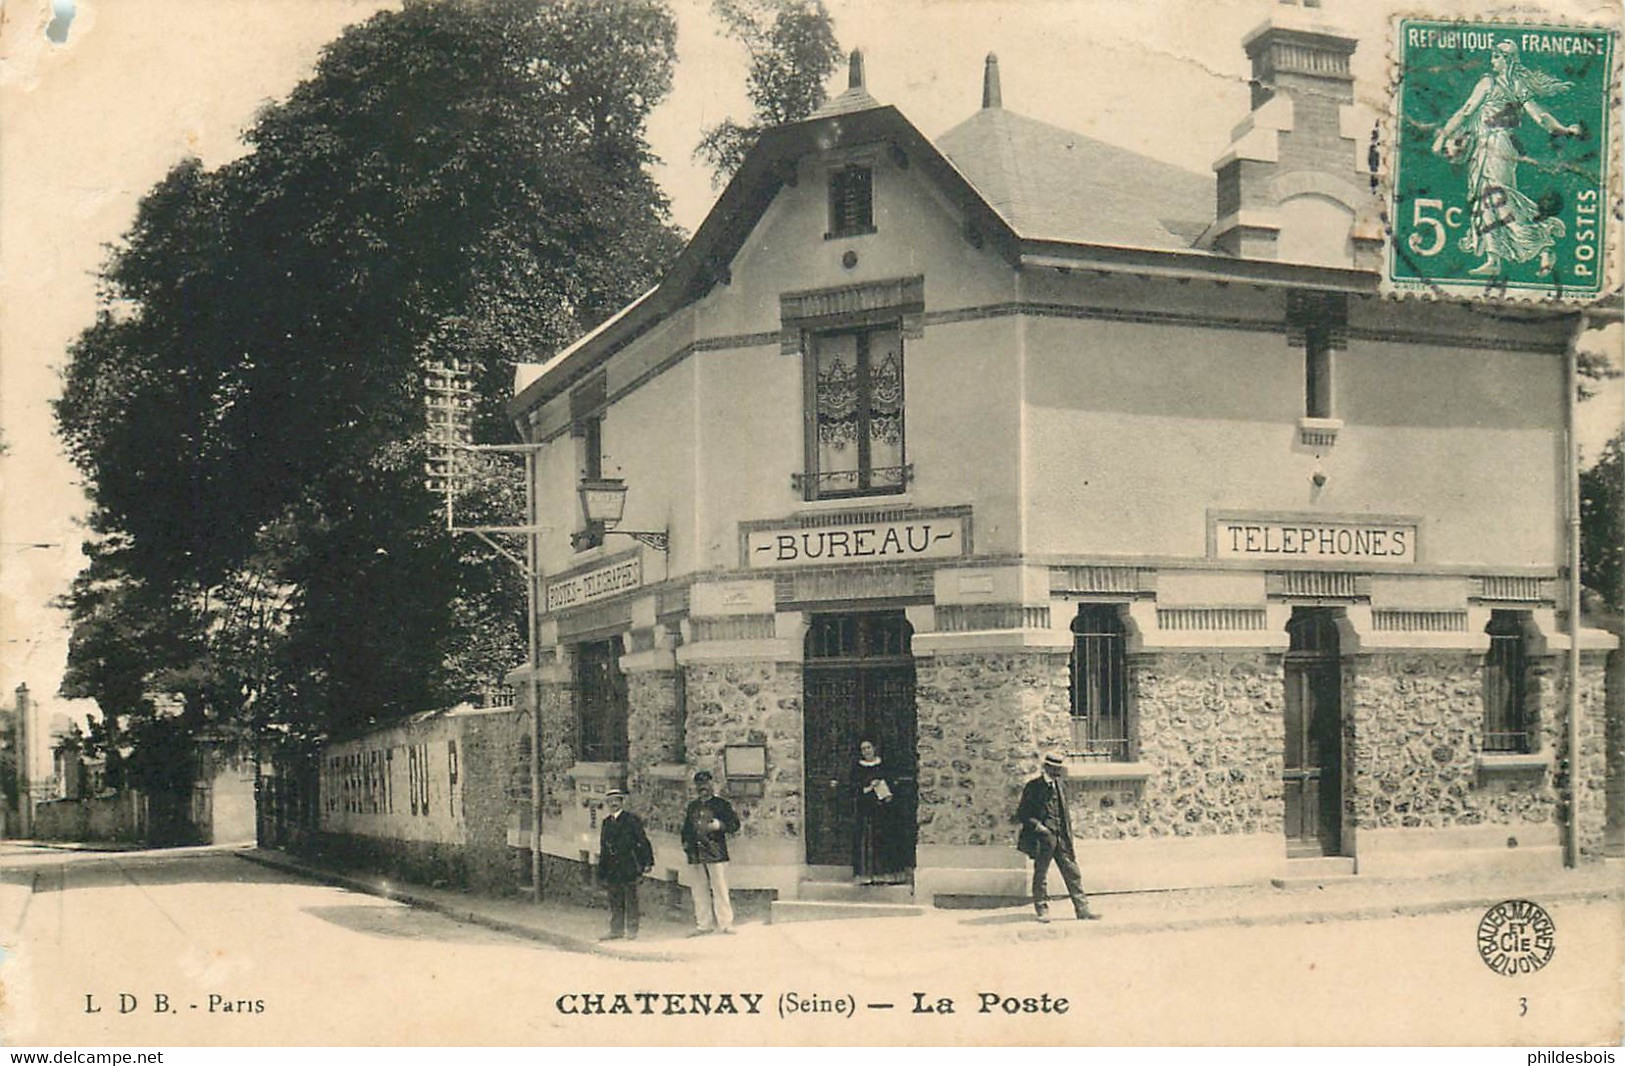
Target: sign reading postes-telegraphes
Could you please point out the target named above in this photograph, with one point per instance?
(1312, 539)
(1504, 158)
(856, 542)
(596, 584)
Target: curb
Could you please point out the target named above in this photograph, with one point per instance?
(1368, 912)
(562, 941)
(1017, 932)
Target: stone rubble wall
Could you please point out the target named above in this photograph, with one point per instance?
(750, 703)
(1211, 731)
(1414, 725)
(652, 739)
(984, 720)
(491, 755)
(1593, 760)
(558, 721)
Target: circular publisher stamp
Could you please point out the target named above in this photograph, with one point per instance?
(1516, 937)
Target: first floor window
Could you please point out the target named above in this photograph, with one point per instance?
(1506, 713)
(601, 702)
(856, 413)
(1100, 712)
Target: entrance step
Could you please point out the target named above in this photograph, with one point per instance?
(1306, 873)
(847, 892)
(808, 910)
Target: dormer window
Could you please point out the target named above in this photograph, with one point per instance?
(851, 202)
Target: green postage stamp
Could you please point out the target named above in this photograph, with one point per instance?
(1503, 160)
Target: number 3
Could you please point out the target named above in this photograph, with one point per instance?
(1523, 1006)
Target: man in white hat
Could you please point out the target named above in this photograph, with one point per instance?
(624, 856)
(1046, 834)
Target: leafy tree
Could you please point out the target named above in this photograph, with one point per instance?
(792, 49)
(1602, 524)
(459, 181)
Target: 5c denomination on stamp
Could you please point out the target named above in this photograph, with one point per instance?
(1516, 937)
(1503, 160)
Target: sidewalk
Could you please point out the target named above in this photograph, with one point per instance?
(576, 928)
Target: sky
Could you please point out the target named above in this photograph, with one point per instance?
(89, 122)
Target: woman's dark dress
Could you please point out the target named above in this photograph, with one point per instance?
(880, 835)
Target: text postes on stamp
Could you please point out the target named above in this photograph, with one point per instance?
(1502, 160)
(1516, 937)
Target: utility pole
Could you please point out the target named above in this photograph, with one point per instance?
(25, 752)
(444, 478)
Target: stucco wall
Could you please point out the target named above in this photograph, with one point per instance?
(1183, 419)
(462, 838)
(382, 788)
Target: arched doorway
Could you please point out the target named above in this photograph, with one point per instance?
(859, 682)
(1312, 771)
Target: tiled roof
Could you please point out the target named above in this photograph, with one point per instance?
(1053, 184)
(856, 98)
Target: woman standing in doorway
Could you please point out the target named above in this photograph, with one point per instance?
(880, 837)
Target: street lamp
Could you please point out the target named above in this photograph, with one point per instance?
(603, 501)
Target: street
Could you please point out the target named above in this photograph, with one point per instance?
(199, 947)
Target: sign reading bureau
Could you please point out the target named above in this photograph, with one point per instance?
(595, 584)
(856, 542)
(1309, 538)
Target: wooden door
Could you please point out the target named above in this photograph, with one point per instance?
(859, 682)
(1312, 779)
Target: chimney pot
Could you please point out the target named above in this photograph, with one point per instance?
(854, 70)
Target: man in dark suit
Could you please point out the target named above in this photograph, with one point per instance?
(706, 825)
(624, 856)
(1046, 834)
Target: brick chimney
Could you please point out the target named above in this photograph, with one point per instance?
(1293, 184)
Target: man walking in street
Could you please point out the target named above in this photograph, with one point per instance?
(624, 856)
(706, 826)
(1046, 834)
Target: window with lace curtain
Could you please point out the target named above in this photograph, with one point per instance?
(855, 416)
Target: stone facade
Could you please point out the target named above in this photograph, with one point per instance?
(490, 752)
(751, 703)
(652, 723)
(1592, 765)
(983, 720)
(558, 721)
(653, 739)
(1211, 733)
(1414, 726)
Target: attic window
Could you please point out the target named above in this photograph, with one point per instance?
(851, 202)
